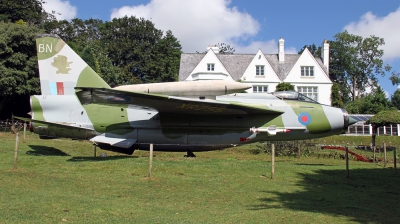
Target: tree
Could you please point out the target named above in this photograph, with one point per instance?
(140, 50)
(77, 33)
(166, 59)
(30, 11)
(395, 78)
(395, 99)
(97, 59)
(18, 65)
(376, 102)
(355, 107)
(371, 103)
(316, 52)
(383, 118)
(336, 97)
(225, 48)
(355, 62)
(284, 86)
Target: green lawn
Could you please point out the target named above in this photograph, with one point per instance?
(59, 181)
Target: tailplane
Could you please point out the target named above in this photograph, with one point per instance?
(61, 69)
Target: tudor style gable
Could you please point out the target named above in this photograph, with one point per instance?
(309, 76)
(260, 74)
(306, 69)
(209, 68)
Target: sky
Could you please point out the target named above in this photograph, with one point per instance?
(251, 25)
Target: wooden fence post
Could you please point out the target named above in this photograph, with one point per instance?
(24, 129)
(374, 156)
(272, 160)
(16, 151)
(395, 160)
(151, 161)
(384, 154)
(347, 162)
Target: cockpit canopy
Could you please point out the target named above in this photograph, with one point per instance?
(292, 95)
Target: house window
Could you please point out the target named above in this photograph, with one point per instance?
(307, 71)
(260, 89)
(311, 92)
(259, 69)
(210, 67)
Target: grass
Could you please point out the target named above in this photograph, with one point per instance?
(59, 181)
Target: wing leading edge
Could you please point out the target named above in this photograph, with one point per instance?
(167, 104)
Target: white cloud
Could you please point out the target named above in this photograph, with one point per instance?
(200, 23)
(385, 27)
(62, 9)
(266, 47)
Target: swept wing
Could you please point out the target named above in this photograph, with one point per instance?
(168, 104)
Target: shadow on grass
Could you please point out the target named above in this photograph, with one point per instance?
(98, 159)
(39, 150)
(369, 195)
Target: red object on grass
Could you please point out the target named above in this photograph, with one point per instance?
(359, 157)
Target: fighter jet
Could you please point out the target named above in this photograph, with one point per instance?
(178, 116)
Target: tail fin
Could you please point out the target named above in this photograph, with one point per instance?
(61, 69)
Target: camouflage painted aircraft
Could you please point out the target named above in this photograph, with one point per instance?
(183, 116)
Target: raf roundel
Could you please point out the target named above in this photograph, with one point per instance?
(304, 118)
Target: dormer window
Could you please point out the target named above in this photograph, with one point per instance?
(259, 69)
(307, 71)
(210, 67)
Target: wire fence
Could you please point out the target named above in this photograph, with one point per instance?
(311, 147)
(5, 125)
(315, 148)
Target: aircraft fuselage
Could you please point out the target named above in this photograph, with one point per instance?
(183, 132)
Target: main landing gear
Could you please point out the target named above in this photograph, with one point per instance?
(190, 154)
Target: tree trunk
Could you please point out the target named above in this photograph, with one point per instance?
(354, 90)
(374, 131)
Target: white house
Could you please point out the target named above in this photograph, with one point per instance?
(309, 75)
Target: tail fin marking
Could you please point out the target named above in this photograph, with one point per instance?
(61, 69)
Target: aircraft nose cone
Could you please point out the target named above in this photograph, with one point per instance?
(352, 121)
(347, 120)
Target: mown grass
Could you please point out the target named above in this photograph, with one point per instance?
(60, 181)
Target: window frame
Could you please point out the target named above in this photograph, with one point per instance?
(264, 88)
(312, 95)
(210, 67)
(260, 70)
(307, 71)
